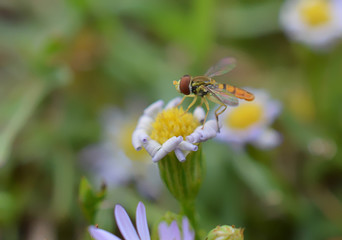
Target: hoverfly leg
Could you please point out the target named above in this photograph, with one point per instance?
(200, 105)
(185, 96)
(192, 103)
(219, 113)
(207, 106)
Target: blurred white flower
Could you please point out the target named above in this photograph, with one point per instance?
(250, 122)
(317, 23)
(161, 131)
(115, 162)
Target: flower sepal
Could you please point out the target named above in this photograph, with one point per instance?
(183, 179)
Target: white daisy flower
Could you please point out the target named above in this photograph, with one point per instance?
(317, 23)
(250, 121)
(114, 160)
(161, 131)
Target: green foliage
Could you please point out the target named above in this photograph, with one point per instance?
(63, 62)
(89, 199)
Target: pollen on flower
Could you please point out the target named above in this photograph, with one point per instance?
(316, 12)
(245, 115)
(173, 122)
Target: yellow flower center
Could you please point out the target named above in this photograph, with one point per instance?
(124, 139)
(316, 12)
(173, 122)
(244, 116)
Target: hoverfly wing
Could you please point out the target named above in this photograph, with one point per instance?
(222, 95)
(223, 66)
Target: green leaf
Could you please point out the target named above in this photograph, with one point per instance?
(89, 199)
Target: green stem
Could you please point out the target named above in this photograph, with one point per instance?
(183, 179)
(189, 209)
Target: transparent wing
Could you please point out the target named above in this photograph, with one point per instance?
(222, 96)
(223, 66)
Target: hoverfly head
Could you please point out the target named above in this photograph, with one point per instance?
(183, 84)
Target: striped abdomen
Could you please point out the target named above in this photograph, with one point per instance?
(237, 92)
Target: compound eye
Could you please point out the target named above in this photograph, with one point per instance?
(184, 84)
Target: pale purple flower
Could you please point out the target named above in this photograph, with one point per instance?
(172, 232)
(141, 232)
(250, 122)
(181, 147)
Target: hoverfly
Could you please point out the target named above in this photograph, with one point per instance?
(208, 89)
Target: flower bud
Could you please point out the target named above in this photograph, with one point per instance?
(226, 232)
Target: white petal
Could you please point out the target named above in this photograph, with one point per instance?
(142, 135)
(159, 155)
(136, 141)
(152, 147)
(141, 222)
(207, 133)
(173, 103)
(200, 135)
(139, 137)
(154, 108)
(187, 146)
(199, 114)
(272, 110)
(145, 122)
(268, 139)
(194, 137)
(179, 154)
(212, 124)
(172, 143)
(169, 146)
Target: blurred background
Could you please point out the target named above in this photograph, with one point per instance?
(76, 74)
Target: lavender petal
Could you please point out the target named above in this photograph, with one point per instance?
(188, 234)
(99, 234)
(141, 222)
(163, 231)
(124, 223)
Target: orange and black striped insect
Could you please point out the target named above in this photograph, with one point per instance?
(208, 89)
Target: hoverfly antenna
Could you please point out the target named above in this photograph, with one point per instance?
(176, 84)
